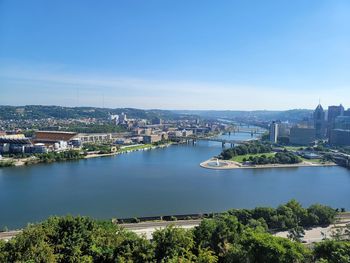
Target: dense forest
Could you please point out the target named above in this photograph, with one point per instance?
(236, 236)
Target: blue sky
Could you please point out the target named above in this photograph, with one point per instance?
(179, 54)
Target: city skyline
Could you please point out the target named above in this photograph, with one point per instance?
(233, 56)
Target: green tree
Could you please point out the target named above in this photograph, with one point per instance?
(296, 233)
(332, 251)
(206, 256)
(172, 242)
(29, 246)
(265, 248)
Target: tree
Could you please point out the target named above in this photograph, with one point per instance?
(296, 233)
(206, 256)
(332, 251)
(320, 214)
(172, 242)
(265, 248)
(29, 246)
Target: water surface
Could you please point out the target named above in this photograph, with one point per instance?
(159, 182)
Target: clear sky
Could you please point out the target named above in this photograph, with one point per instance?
(175, 54)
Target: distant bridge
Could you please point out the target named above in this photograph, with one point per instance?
(247, 130)
(215, 139)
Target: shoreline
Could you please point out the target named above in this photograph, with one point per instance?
(229, 165)
(153, 147)
(22, 162)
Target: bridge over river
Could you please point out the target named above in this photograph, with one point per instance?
(232, 143)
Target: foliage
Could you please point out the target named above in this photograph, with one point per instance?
(172, 242)
(101, 148)
(296, 233)
(76, 239)
(236, 236)
(251, 148)
(59, 112)
(278, 158)
(6, 163)
(59, 156)
(332, 251)
(286, 217)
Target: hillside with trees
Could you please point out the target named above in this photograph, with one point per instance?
(235, 236)
(59, 112)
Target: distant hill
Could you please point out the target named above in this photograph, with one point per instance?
(59, 112)
(262, 115)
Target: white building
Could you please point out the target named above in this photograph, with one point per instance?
(273, 132)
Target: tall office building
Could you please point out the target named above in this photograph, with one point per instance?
(333, 113)
(319, 122)
(340, 135)
(273, 132)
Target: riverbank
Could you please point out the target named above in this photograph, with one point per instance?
(226, 165)
(130, 149)
(33, 160)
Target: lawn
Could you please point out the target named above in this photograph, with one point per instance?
(240, 158)
(311, 160)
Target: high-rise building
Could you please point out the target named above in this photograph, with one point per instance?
(347, 112)
(122, 118)
(273, 132)
(157, 121)
(333, 113)
(340, 135)
(114, 119)
(302, 135)
(319, 122)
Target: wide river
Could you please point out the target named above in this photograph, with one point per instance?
(159, 182)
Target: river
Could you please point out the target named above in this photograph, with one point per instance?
(159, 182)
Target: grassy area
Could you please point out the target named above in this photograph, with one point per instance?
(239, 158)
(136, 147)
(293, 148)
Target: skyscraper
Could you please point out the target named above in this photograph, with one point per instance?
(333, 113)
(319, 122)
(273, 132)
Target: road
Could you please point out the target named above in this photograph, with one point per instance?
(147, 228)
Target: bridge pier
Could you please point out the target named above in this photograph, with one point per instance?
(223, 144)
(232, 145)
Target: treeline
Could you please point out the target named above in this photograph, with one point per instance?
(59, 112)
(59, 156)
(223, 238)
(6, 163)
(278, 158)
(250, 148)
(287, 216)
(101, 148)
